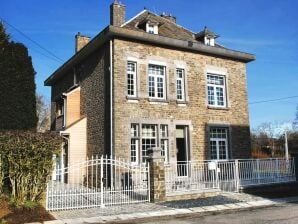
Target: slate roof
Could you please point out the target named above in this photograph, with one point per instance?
(166, 28)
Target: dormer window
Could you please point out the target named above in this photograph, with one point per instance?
(209, 41)
(151, 28)
(207, 37)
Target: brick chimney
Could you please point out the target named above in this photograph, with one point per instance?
(81, 41)
(169, 17)
(117, 13)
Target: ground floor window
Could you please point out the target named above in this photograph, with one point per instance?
(218, 143)
(148, 137)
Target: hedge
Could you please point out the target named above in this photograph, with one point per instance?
(26, 163)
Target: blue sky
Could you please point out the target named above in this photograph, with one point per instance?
(268, 29)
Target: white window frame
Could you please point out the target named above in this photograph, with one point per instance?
(217, 140)
(137, 142)
(182, 80)
(134, 75)
(215, 86)
(165, 138)
(146, 137)
(155, 78)
(151, 28)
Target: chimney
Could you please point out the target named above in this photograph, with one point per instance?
(117, 13)
(81, 41)
(169, 17)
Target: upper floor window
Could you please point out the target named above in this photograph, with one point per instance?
(60, 108)
(180, 81)
(152, 28)
(156, 78)
(216, 90)
(131, 79)
(218, 143)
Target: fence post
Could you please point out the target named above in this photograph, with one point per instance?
(157, 176)
(237, 179)
(101, 183)
(295, 164)
(258, 170)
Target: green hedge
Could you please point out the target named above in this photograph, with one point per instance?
(26, 163)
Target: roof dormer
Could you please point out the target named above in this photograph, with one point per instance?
(207, 37)
(150, 25)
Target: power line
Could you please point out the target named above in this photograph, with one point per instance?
(33, 41)
(273, 100)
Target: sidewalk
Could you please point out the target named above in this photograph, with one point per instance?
(223, 202)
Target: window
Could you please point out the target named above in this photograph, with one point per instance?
(148, 139)
(60, 108)
(131, 79)
(180, 84)
(152, 28)
(134, 144)
(144, 137)
(156, 82)
(218, 143)
(164, 141)
(216, 90)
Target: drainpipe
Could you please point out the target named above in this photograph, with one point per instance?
(111, 112)
(111, 96)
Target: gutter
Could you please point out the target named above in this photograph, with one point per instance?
(112, 32)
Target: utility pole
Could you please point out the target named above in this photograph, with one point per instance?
(286, 146)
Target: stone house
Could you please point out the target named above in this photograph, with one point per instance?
(149, 82)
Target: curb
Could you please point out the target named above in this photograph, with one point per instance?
(176, 212)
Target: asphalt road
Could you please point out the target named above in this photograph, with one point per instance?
(287, 213)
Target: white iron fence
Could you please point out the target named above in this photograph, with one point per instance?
(98, 182)
(231, 175)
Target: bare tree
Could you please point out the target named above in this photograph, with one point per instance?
(43, 113)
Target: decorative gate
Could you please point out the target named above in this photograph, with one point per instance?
(98, 182)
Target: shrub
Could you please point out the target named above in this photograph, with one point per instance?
(27, 162)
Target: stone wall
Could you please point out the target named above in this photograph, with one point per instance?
(95, 101)
(195, 112)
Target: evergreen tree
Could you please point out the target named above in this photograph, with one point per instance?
(17, 86)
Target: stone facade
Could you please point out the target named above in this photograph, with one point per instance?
(93, 78)
(194, 113)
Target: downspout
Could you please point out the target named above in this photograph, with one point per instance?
(111, 97)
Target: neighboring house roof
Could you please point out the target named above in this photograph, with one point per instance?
(170, 35)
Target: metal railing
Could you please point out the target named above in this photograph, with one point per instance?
(228, 175)
(98, 182)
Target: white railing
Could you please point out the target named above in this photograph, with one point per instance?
(265, 171)
(98, 182)
(231, 175)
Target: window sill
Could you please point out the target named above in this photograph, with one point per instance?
(218, 108)
(158, 101)
(132, 99)
(182, 103)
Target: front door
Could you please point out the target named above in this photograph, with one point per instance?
(182, 150)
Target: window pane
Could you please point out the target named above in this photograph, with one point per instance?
(156, 81)
(164, 130)
(148, 139)
(133, 150)
(218, 143)
(134, 130)
(213, 153)
(131, 78)
(164, 147)
(216, 88)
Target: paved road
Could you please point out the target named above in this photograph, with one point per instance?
(287, 213)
